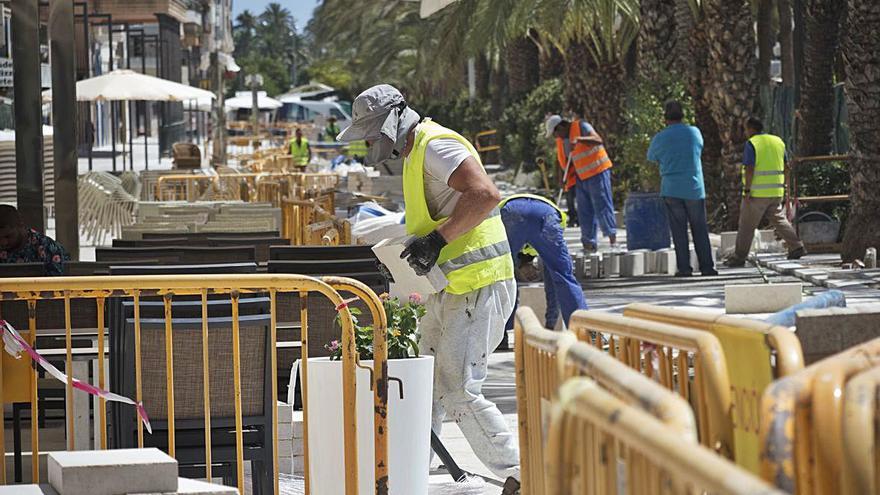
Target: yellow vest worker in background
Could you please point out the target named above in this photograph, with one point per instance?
(579, 148)
(764, 184)
(452, 214)
(300, 149)
(331, 130)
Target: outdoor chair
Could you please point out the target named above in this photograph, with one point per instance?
(186, 156)
(11, 270)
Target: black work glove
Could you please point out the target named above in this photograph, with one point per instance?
(422, 252)
(385, 272)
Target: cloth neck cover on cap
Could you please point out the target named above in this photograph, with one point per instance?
(392, 137)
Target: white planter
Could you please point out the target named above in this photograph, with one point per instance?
(409, 427)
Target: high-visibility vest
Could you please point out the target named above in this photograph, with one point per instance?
(331, 131)
(768, 179)
(586, 160)
(300, 152)
(528, 249)
(478, 258)
(357, 148)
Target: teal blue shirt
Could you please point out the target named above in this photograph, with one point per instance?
(677, 149)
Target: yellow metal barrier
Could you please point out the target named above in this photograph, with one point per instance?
(309, 222)
(690, 360)
(182, 187)
(861, 412)
(600, 445)
(34, 290)
(544, 358)
(756, 353)
(801, 422)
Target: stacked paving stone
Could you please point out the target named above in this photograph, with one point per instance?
(290, 440)
(115, 472)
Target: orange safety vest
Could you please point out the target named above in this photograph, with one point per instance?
(587, 160)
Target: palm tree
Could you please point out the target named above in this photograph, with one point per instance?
(821, 33)
(244, 32)
(861, 44)
(731, 89)
(657, 38)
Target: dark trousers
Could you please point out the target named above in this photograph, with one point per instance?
(682, 212)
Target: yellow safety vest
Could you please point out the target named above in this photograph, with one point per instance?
(357, 148)
(528, 249)
(300, 153)
(768, 180)
(478, 258)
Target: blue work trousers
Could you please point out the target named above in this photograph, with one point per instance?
(682, 212)
(534, 222)
(595, 209)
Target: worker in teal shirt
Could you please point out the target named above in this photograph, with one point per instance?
(678, 148)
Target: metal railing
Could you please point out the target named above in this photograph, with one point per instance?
(544, 359)
(756, 353)
(100, 289)
(245, 186)
(861, 412)
(601, 445)
(801, 422)
(690, 361)
(310, 222)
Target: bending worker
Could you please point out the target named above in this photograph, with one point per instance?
(300, 149)
(452, 212)
(764, 184)
(580, 148)
(535, 227)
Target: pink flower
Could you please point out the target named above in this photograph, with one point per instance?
(333, 346)
(415, 298)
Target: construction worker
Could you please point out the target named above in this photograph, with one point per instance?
(764, 184)
(331, 130)
(452, 214)
(579, 147)
(300, 149)
(535, 227)
(357, 150)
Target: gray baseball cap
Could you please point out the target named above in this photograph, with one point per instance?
(371, 114)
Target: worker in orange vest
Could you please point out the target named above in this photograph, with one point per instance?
(580, 152)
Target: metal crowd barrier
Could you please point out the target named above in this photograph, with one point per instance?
(690, 361)
(310, 222)
(861, 412)
(756, 354)
(544, 359)
(601, 445)
(802, 448)
(270, 186)
(99, 289)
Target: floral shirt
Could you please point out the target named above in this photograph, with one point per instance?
(38, 248)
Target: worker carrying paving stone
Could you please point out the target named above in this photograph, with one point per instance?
(535, 227)
(579, 147)
(452, 212)
(764, 184)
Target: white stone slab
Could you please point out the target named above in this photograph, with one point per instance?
(666, 262)
(728, 242)
(761, 298)
(611, 264)
(27, 490)
(632, 264)
(650, 262)
(195, 487)
(596, 265)
(111, 472)
(297, 424)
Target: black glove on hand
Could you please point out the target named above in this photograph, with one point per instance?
(422, 252)
(385, 272)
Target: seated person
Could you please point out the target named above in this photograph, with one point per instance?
(20, 244)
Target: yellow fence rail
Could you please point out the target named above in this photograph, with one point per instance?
(310, 222)
(268, 186)
(802, 422)
(861, 412)
(99, 289)
(544, 359)
(690, 361)
(756, 353)
(601, 445)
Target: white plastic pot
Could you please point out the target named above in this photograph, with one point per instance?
(409, 426)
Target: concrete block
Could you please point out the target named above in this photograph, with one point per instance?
(596, 265)
(285, 447)
(766, 236)
(285, 412)
(805, 272)
(788, 268)
(665, 261)
(285, 430)
(728, 243)
(650, 262)
(761, 298)
(297, 424)
(291, 465)
(186, 486)
(632, 264)
(27, 490)
(111, 472)
(579, 263)
(611, 264)
(827, 331)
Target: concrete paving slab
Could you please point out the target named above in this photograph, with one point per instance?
(111, 472)
(761, 298)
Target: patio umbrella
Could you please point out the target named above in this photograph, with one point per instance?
(244, 99)
(128, 85)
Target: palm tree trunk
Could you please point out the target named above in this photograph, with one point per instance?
(731, 92)
(861, 44)
(765, 40)
(786, 43)
(821, 31)
(523, 68)
(657, 38)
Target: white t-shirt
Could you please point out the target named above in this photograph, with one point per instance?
(442, 158)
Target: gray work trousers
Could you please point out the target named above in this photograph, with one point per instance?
(751, 211)
(460, 331)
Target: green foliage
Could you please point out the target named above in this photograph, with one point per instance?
(522, 126)
(643, 115)
(266, 44)
(458, 112)
(402, 337)
(332, 71)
